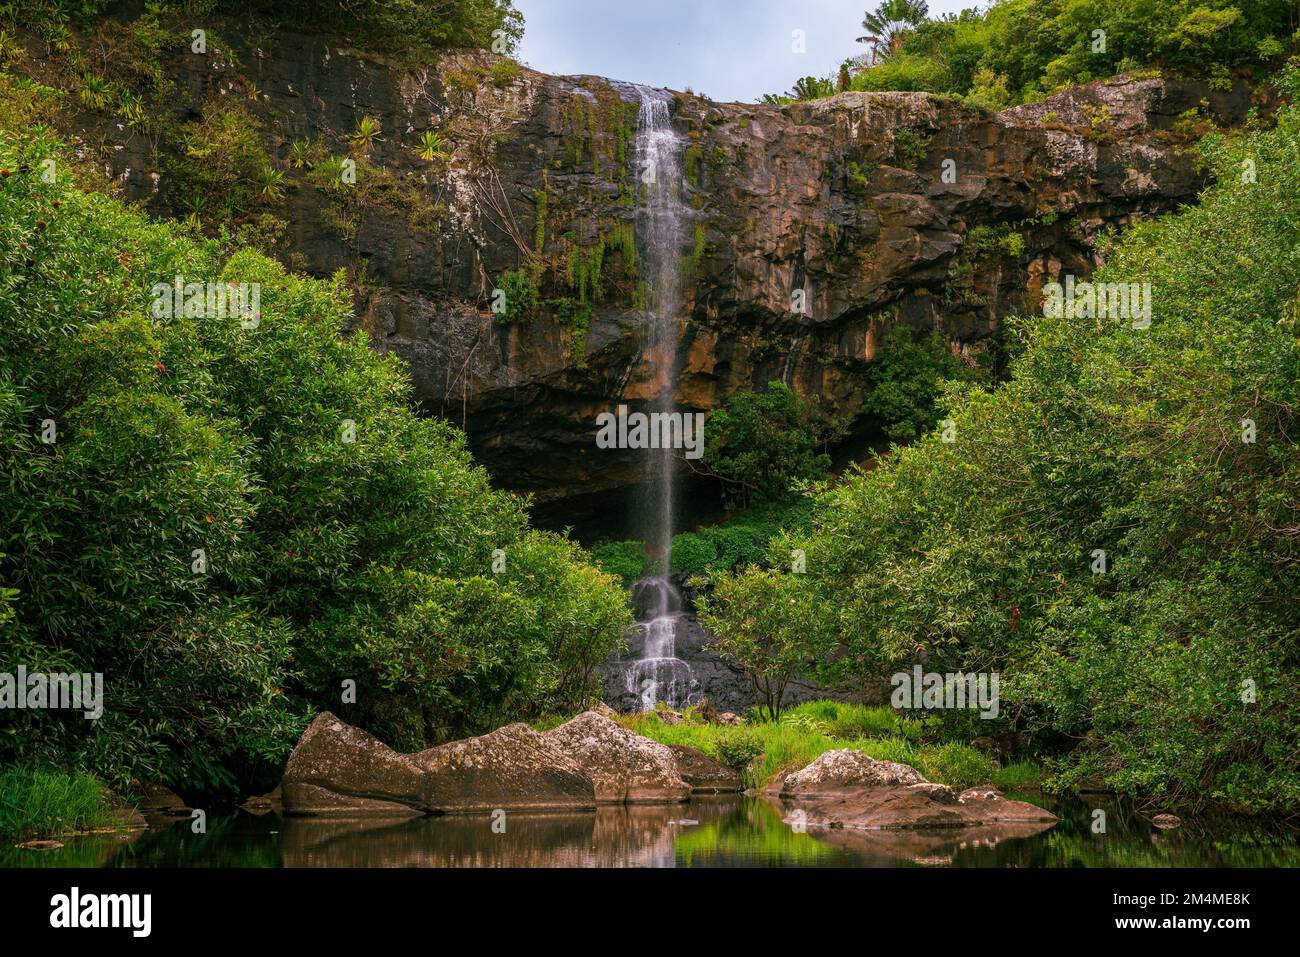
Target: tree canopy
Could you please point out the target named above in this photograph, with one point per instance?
(1114, 529)
(238, 520)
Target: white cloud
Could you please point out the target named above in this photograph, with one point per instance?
(722, 48)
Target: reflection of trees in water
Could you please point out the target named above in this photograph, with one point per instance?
(1131, 840)
(751, 832)
(731, 830)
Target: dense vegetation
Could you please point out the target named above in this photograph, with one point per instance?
(904, 381)
(233, 522)
(49, 802)
(399, 25)
(761, 441)
(1020, 50)
(1114, 530)
(765, 747)
(240, 526)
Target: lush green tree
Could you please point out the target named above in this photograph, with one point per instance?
(625, 559)
(388, 24)
(760, 442)
(890, 22)
(230, 517)
(401, 23)
(1014, 51)
(771, 625)
(742, 539)
(1114, 529)
(905, 381)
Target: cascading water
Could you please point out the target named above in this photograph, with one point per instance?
(658, 674)
(660, 212)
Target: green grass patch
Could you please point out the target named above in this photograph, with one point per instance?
(957, 765)
(47, 803)
(1017, 776)
(808, 730)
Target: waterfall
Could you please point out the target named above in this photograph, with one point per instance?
(660, 213)
(658, 674)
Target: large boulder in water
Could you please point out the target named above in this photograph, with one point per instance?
(987, 805)
(513, 767)
(623, 766)
(340, 770)
(847, 770)
(703, 774)
(847, 788)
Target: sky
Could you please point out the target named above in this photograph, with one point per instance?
(725, 49)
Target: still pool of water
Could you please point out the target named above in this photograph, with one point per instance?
(713, 832)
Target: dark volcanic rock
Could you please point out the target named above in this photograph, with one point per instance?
(844, 198)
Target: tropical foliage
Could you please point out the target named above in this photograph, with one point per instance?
(1030, 48)
(761, 441)
(241, 520)
(1114, 530)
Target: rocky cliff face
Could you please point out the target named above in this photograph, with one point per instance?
(874, 210)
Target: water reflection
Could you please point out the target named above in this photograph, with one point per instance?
(724, 831)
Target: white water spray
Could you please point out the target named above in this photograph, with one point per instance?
(659, 675)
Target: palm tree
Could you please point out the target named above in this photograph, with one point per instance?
(811, 88)
(890, 22)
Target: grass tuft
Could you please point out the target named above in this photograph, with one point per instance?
(46, 803)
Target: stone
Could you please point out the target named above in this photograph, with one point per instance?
(41, 845)
(987, 805)
(1166, 821)
(623, 766)
(512, 767)
(260, 804)
(160, 805)
(846, 788)
(339, 770)
(703, 773)
(845, 771)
